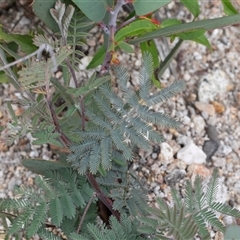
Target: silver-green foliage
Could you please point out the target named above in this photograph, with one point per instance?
(121, 123)
(188, 216)
(126, 229)
(59, 196)
(128, 193)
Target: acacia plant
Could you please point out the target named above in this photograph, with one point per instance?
(100, 129)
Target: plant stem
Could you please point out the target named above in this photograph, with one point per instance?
(100, 194)
(112, 28)
(106, 200)
(85, 212)
(64, 138)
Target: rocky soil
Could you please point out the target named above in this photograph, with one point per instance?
(209, 110)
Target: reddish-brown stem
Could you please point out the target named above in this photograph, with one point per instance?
(63, 138)
(82, 113)
(106, 201)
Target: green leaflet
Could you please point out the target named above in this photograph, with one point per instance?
(193, 6)
(143, 7)
(135, 28)
(40, 166)
(42, 10)
(170, 22)
(228, 7)
(196, 36)
(203, 40)
(125, 47)
(47, 135)
(95, 10)
(23, 41)
(97, 58)
(3, 77)
(208, 24)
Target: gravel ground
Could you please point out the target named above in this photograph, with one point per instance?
(209, 110)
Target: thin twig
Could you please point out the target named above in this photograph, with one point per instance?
(126, 23)
(82, 113)
(38, 52)
(85, 212)
(63, 137)
(19, 60)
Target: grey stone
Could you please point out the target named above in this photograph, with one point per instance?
(212, 133)
(174, 177)
(210, 147)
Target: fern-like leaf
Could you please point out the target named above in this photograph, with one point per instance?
(39, 218)
(55, 211)
(125, 122)
(126, 229)
(225, 209)
(166, 93)
(46, 235)
(34, 75)
(212, 189)
(47, 136)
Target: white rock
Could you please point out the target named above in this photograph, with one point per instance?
(222, 193)
(224, 149)
(182, 139)
(211, 85)
(191, 154)
(166, 153)
(186, 120)
(199, 124)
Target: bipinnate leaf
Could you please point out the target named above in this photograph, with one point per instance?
(68, 206)
(56, 212)
(38, 219)
(143, 7)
